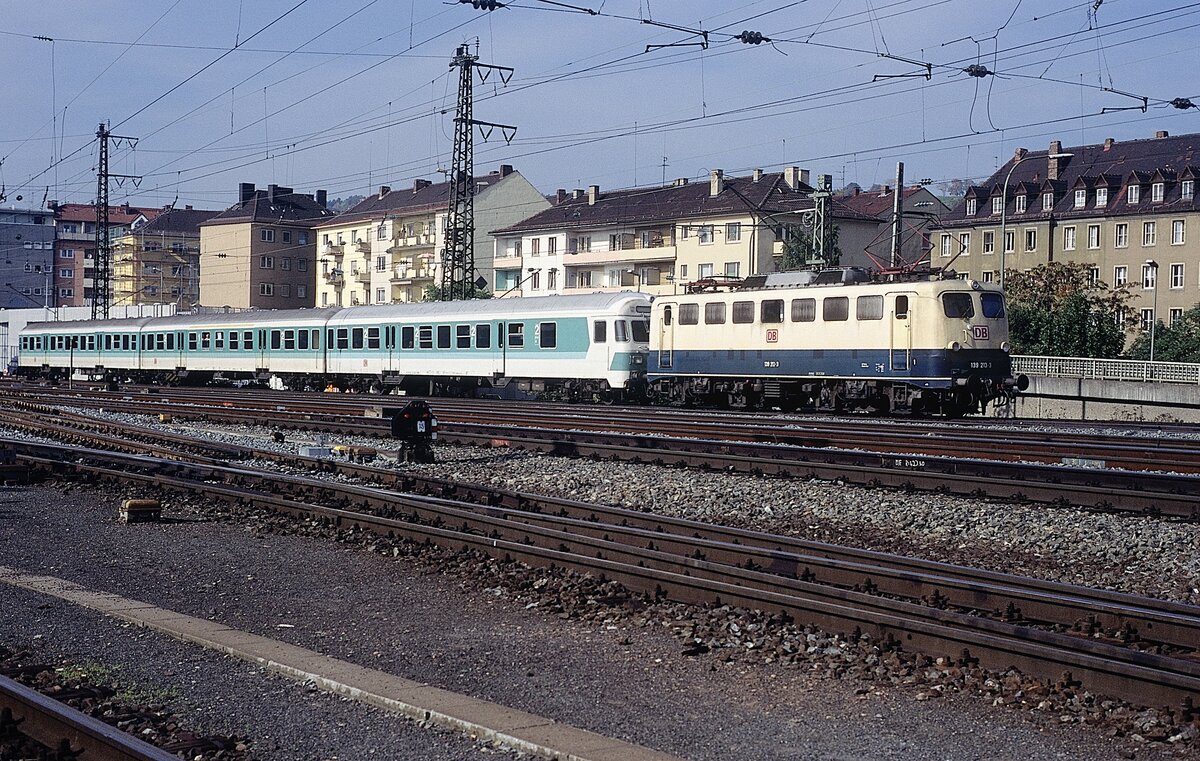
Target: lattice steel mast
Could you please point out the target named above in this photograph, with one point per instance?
(102, 278)
(458, 258)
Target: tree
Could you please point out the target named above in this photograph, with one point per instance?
(434, 292)
(1058, 310)
(799, 249)
(1175, 343)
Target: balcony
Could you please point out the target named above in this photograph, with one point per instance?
(626, 254)
(404, 274)
(410, 241)
(361, 276)
(334, 277)
(362, 246)
(333, 249)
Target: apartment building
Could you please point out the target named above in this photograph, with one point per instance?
(158, 261)
(75, 245)
(388, 248)
(1126, 209)
(920, 211)
(261, 252)
(26, 258)
(657, 239)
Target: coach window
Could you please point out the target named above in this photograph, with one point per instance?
(276, 339)
(248, 340)
(233, 340)
(289, 340)
(901, 307)
(220, 340)
(372, 338)
(993, 305)
(548, 335)
(407, 337)
(425, 337)
(743, 312)
(599, 332)
(356, 338)
(170, 342)
(869, 308)
(160, 342)
(771, 311)
(205, 340)
(316, 339)
(804, 310)
(516, 334)
(302, 340)
(443, 336)
(462, 336)
(835, 309)
(127, 344)
(958, 305)
(343, 338)
(483, 336)
(689, 314)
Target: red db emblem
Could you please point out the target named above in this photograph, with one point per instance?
(773, 335)
(980, 332)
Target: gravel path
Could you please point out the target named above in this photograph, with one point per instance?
(620, 676)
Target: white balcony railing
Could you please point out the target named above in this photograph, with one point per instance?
(1108, 369)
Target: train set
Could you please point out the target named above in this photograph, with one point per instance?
(836, 340)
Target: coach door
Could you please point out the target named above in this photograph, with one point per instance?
(666, 336)
(901, 331)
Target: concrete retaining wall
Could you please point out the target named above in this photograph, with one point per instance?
(1087, 399)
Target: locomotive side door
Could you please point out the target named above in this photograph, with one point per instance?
(901, 330)
(666, 335)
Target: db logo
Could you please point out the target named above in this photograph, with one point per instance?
(773, 335)
(979, 332)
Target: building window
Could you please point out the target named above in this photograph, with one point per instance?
(1187, 189)
(1093, 276)
(535, 280)
(1176, 314)
(266, 235)
(1047, 201)
(285, 290)
(1177, 275)
(266, 262)
(1031, 239)
(552, 278)
(706, 271)
(964, 244)
(1156, 192)
(1121, 235)
(301, 291)
(1177, 232)
(998, 205)
(1022, 201)
(1135, 193)
(381, 233)
(287, 236)
(1147, 319)
(733, 269)
(66, 253)
(1101, 197)
(1069, 238)
(704, 233)
(324, 298)
(989, 276)
(535, 246)
(971, 207)
(1080, 198)
(946, 238)
(1120, 276)
(1149, 233)
(302, 238)
(266, 289)
(379, 296)
(989, 242)
(1010, 241)
(66, 292)
(1149, 277)
(66, 274)
(285, 263)
(1093, 236)
(733, 232)
(551, 245)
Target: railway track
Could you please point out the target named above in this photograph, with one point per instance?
(1138, 491)
(1139, 649)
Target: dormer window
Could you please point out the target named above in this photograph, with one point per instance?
(1135, 193)
(971, 207)
(997, 205)
(1101, 197)
(1080, 198)
(1021, 201)
(1047, 201)
(1156, 192)
(1187, 189)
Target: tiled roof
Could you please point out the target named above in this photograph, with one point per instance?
(659, 204)
(178, 222)
(287, 207)
(876, 203)
(1110, 164)
(117, 215)
(418, 199)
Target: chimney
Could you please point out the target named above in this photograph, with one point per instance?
(420, 184)
(272, 191)
(886, 190)
(857, 190)
(52, 204)
(321, 199)
(125, 208)
(384, 190)
(791, 176)
(1054, 165)
(560, 195)
(1108, 144)
(1019, 154)
(505, 170)
(757, 176)
(716, 182)
(593, 194)
(1161, 134)
(804, 177)
(245, 191)
(679, 183)
(576, 194)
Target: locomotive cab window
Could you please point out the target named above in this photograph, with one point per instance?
(958, 305)
(992, 304)
(835, 309)
(516, 334)
(743, 312)
(771, 311)
(901, 307)
(483, 335)
(599, 332)
(869, 308)
(804, 310)
(714, 313)
(548, 335)
(689, 314)
(641, 331)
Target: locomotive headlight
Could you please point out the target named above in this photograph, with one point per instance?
(1004, 346)
(954, 346)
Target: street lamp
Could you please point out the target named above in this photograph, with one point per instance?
(1004, 206)
(1153, 265)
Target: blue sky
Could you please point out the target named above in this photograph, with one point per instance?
(352, 94)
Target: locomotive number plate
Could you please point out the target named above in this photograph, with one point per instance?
(904, 463)
(773, 335)
(980, 332)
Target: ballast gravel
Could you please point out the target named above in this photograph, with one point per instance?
(621, 676)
